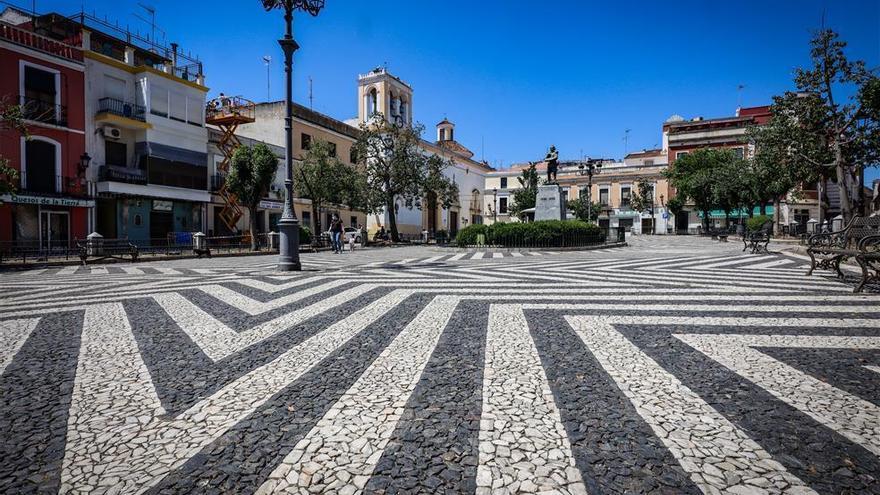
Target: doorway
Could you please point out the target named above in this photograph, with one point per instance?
(54, 230)
(681, 222)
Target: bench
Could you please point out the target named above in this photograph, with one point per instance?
(758, 240)
(860, 240)
(108, 248)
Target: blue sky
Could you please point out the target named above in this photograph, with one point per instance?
(516, 76)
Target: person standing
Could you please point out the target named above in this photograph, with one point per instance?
(336, 233)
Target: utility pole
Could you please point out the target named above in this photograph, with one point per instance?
(625, 141)
(268, 61)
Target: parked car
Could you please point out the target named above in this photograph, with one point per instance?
(348, 233)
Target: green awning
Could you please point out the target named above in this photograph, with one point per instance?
(737, 213)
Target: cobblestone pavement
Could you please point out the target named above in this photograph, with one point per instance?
(676, 365)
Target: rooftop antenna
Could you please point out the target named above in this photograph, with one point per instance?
(311, 96)
(625, 141)
(152, 21)
(267, 59)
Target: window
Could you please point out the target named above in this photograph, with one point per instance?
(178, 107)
(648, 163)
(40, 166)
(114, 87)
(603, 197)
(504, 183)
(738, 152)
(159, 101)
(331, 149)
(442, 134)
(625, 193)
(353, 155)
(502, 205)
(40, 96)
(306, 141)
(681, 154)
(115, 153)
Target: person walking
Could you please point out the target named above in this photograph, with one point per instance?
(336, 233)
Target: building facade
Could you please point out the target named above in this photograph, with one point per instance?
(43, 71)
(145, 131)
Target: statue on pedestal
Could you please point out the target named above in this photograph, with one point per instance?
(552, 160)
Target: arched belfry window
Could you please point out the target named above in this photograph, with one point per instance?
(372, 102)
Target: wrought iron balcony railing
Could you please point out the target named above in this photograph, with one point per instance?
(122, 109)
(44, 111)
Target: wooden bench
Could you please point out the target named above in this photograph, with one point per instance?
(758, 240)
(110, 248)
(860, 240)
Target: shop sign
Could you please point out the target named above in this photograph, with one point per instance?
(159, 205)
(271, 205)
(22, 199)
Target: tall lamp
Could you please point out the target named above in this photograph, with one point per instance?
(288, 225)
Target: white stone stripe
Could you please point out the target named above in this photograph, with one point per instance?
(143, 454)
(523, 444)
(68, 270)
(98, 270)
(683, 421)
(113, 397)
(204, 271)
(875, 369)
(457, 257)
(273, 288)
(497, 255)
(854, 418)
(254, 307)
(533, 253)
(13, 334)
(218, 341)
(771, 264)
(725, 321)
(516, 254)
(359, 425)
(166, 271)
(433, 259)
(131, 270)
(478, 255)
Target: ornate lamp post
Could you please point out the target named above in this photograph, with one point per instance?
(494, 205)
(288, 225)
(592, 166)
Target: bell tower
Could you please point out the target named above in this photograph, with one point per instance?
(379, 92)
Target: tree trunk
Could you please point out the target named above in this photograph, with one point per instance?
(316, 217)
(706, 220)
(763, 208)
(777, 227)
(253, 215)
(843, 184)
(821, 193)
(392, 219)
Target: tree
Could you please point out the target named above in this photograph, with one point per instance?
(11, 118)
(675, 205)
(324, 179)
(527, 194)
(695, 174)
(396, 168)
(583, 210)
(250, 176)
(836, 136)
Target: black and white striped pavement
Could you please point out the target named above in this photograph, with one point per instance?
(675, 365)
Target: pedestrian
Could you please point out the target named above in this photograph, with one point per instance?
(336, 234)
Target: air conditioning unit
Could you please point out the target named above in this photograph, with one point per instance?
(112, 132)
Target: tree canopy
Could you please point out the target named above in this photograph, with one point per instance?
(250, 176)
(527, 194)
(326, 180)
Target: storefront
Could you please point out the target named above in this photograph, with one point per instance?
(46, 223)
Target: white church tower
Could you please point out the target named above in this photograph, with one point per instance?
(381, 92)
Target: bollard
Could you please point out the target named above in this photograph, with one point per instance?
(837, 223)
(200, 244)
(95, 244)
(273, 240)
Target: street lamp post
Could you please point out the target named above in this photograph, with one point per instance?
(288, 225)
(589, 169)
(494, 205)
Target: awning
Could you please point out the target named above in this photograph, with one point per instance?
(171, 153)
(744, 212)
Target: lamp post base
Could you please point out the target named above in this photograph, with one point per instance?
(288, 247)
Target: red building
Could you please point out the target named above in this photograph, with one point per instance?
(43, 72)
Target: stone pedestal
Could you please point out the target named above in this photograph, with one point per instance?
(549, 205)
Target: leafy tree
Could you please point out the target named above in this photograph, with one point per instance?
(837, 136)
(695, 175)
(250, 176)
(582, 209)
(11, 118)
(642, 199)
(395, 168)
(324, 179)
(527, 194)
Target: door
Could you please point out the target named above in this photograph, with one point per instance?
(453, 223)
(647, 226)
(681, 222)
(161, 223)
(54, 230)
(626, 224)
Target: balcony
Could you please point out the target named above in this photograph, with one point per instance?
(122, 174)
(122, 109)
(52, 186)
(40, 110)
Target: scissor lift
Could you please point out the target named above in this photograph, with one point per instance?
(227, 113)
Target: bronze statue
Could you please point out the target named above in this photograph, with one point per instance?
(552, 160)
